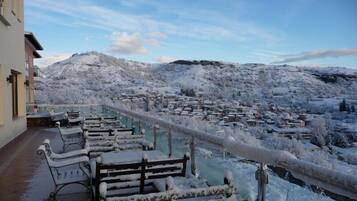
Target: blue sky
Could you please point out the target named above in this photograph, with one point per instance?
(297, 32)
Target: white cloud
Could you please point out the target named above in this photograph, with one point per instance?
(154, 38)
(50, 59)
(317, 55)
(193, 23)
(165, 59)
(126, 43)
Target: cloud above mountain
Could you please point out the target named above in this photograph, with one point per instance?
(317, 55)
(165, 59)
(134, 43)
(47, 60)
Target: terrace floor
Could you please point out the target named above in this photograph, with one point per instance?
(25, 176)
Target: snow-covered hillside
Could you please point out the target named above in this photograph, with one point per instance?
(92, 77)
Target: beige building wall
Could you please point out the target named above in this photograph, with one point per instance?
(12, 57)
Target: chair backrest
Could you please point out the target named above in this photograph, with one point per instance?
(139, 171)
(48, 148)
(44, 153)
(73, 114)
(172, 192)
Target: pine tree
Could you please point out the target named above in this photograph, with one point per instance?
(343, 106)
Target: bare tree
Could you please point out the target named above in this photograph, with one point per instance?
(319, 131)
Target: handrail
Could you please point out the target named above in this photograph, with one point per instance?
(328, 179)
(62, 105)
(331, 180)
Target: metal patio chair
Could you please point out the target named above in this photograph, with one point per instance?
(67, 171)
(70, 136)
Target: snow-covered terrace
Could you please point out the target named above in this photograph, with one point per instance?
(25, 177)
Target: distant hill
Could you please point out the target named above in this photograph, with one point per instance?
(95, 77)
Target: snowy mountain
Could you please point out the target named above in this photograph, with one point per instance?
(93, 77)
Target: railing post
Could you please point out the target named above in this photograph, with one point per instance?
(170, 142)
(155, 128)
(261, 176)
(193, 158)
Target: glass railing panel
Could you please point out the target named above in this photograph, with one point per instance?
(211, 161)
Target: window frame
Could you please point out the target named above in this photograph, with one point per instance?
(2, 92)
(14, 94)
(3, 5)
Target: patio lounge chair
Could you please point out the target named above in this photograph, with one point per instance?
(67, 171)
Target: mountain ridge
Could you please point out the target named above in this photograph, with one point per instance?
(94, 76)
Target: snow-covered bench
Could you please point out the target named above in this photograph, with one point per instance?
(127, 173)
(73, 114)
(177, 188)
(70, 136)
(67, 171)
(103, 125)
(118, 143)
(66, 155)
(99, 118)
(74, 118)
(100, 122)
(109, 131)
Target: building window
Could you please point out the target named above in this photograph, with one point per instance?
(3, 6)
(16, 9)
(13, 6)
(2, 100)
(15, 94)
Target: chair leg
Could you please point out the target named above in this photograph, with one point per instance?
(58, 188)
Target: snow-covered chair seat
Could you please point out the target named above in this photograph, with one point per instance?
(70, 131)
(67, 171)
(179, 188)
(135, 171)
(70, 154)
(76, 120)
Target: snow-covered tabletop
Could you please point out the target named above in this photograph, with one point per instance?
(130, 156)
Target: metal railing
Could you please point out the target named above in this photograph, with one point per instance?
(331, 180)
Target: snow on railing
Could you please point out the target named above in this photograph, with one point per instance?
(328, 179)
(331, 180)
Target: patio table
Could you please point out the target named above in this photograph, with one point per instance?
(122, 157)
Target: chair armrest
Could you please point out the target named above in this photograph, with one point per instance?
(67, 162)
(71, 154)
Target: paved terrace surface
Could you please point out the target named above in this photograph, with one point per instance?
(25, 176)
